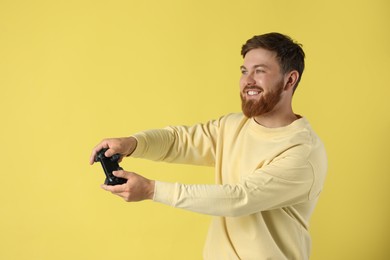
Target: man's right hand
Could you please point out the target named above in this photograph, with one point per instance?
(124, 146)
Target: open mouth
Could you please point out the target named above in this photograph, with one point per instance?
(252, 92)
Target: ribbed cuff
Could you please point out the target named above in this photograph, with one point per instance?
(164, 192)
(141, 145)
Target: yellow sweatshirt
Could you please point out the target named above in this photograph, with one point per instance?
(267, 183)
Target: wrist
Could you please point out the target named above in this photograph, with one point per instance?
(150, 193)
(132, 145)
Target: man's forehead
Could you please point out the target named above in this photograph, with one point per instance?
(260, 58)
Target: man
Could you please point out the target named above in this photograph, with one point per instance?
(270, 166)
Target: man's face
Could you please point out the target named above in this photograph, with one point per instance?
(261, 82)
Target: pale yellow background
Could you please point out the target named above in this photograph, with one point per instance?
(74, 72)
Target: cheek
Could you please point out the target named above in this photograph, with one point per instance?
(241, 84)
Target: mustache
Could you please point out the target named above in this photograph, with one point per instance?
(255, 87)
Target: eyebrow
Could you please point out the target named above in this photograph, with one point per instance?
(242, 67)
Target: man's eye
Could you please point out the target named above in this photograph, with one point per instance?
(259, 71)
(243, 72)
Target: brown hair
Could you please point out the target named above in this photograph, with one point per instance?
(289, 53)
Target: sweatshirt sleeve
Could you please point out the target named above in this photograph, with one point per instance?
(282, 183)
(179, 144)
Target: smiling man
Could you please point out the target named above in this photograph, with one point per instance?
(270, 166)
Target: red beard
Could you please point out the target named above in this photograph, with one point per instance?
(265, 104)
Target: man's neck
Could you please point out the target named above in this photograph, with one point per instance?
(271, 120)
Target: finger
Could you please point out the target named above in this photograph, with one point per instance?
(92, 157)
(116, 189)
(110, 152)
(96, 149)
(105, 187)
(121, 174)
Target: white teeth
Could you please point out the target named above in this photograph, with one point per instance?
(252, 92)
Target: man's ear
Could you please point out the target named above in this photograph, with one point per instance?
(291, 79)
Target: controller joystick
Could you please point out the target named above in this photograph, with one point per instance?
(109, 165)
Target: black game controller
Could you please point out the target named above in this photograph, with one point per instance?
(109, 165)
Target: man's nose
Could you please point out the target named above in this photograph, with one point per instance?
(250, 80)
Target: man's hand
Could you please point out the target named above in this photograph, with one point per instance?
(136, 188)
(124, 146)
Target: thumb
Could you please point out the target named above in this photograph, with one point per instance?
(110, 152)
(121, 173)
